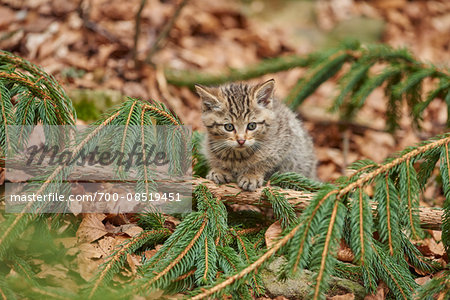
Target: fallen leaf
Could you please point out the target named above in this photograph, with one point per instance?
(348, 296)
(7, 16)
(345, 253)
(57, 271)
(380, 293)
(422, 280)
(91, 228)
(67, 242)
(131, 229)
(133, 261)
(273, 233)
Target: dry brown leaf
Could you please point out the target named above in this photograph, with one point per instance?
(432, 246)
(436, 248)
(422, 280)
(131, 229)
(348, 296)
(134, 89)
(328, 171)
(7, 16)
(91, 228)
(133, 261)
(111, 228)
(345, 253)
(57, 275)
(273, 233)
(63, 7)
(375, 145)
(171, 221)
(91, 254)
(149, 253)
(87, 267)
(90, 250)
(118, 219)
(67, 242)
(57, 271)
(108, 244)
(119, 10)
(380, 293)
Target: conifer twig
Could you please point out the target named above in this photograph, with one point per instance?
(279, 64)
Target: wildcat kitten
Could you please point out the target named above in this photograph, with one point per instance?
(251, 135)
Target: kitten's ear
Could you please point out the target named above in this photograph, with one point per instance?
(263, 93)
(209, 97)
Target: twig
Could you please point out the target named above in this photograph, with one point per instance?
(137, 30)
(267, 66)
(345, 148)
(165, 31)
(94, 27)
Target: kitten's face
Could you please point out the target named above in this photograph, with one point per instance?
(237, 116)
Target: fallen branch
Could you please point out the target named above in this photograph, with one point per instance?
(430, 218)
(273, 65)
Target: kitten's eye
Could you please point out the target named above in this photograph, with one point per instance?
(251, 126)
(228, 127)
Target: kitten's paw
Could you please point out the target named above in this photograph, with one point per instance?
(250, 183)
(219, 177)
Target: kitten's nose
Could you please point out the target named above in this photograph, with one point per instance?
(241, 142)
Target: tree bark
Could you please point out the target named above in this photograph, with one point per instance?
(430, 218)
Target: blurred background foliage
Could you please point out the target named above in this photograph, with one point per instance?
(95, 49)
(90, 47)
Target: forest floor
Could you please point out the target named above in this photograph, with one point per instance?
(89, 48)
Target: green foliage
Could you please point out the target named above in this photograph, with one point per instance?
(436, 288)
(117, 259)
(28, 96)
(295, 181)
(282, 209)
(398, 73)
(200, 167)
(361, 236)
(445, 171)
(210, 253)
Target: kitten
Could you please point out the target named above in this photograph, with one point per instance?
(251, 135)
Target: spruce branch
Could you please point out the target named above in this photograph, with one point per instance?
(389, 271)
(118, 257)
(28, 96)
(321, 224)
(273, 65)
(230, 193)
(401, 77)
(248, 270)
(445, 171)
(436, 288)
(281, 207)
(203, 254)
(14, 225)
